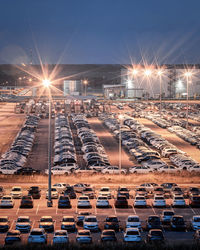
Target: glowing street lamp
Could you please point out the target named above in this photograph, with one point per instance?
(47, 83)
(134, 72)
(85, 82)
(188, 76)
(147, 72)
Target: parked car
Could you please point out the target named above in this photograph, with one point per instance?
(113, 170)
(102, 202)
(194, 200)
(26, 202)
(108, 235)
(84, 236)
(90, 223)
(47, 223)
(154, 236)
(64, 202)
(140, 201)
(105, 191)
(89, 192)
(196, 236)
(35, 192)
(7, 201)
(23, 224)
(123, 191)
(195, 222)
(177, 223)
(83, 202)
(80, 217)
(178, 201)
(112, 222)
(132, 235)
(166, 216)
(121, 202)
(153, 222)
(159, 201)
(68, 223)
(12, 236)
(133, 221)
(16, 192)
(60, 237)
(4, 224)
(54, 193)
(37, 235)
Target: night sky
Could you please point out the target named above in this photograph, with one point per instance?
(100, 31)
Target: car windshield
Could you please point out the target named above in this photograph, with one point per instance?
(88, 190)
(68, 219)
(156, 233)
(16, 189)
(36, 233)
(90, 219)
(123, 189)
(159, 198)
(105, 190)
(23, 220)
(132, 233)
(168, 213)
(60, 233)
(13, 233)
(6, 198)
(84, 233)
(133, 219)
(3, 220)
(178, 198)
(83, 198)
(46, 220)
(112, 219)
(109, 233)
(140, 198)
(102, 198)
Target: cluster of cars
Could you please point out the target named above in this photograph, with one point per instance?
(64, 151)
(13, 161)
(94, 153)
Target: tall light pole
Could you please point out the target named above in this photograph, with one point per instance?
(160, 72)
(120, 142)
(47, 84)
(188, 75)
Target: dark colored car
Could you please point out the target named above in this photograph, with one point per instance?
(81, 216)
(112, 222)
(108, 235)
(2, 192)
(121, 202)
(193, 191)
(177, 223)
(196, 236)
(4, 224)
(12, 236)
(123, 191)
(155, 235)
(27, 171)
(35, 192)
(194, 200)
(26, 202)
(153, 222)
(64, 202)
(70, 192)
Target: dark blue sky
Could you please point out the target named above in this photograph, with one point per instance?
(100, 31)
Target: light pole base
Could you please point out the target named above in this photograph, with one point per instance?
(49, 203)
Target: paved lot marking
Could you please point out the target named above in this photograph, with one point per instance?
(153, 210)
(12, 224)
(33, 224)
(17, 211)
(134, 210)
(193, 210)
(114, 209)
(172, 209)
(36, 212)
(56, 210)
(95, 210)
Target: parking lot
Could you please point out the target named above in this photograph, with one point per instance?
(40, 209)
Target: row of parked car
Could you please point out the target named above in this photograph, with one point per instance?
(13, 161)
(64, 150)
(93, 151)
(90, 223)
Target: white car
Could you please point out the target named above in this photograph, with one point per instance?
(83, 201)
(168, 169)
(54, 193)
(58, 171)
(140, 201)
(154, 164)
(140, 170)
(193, 169)
(132, 235)
(7, 201)
(133, 221)
(195, 223)
(69, 166)
(37, 235)
(113, 170)
(79, 187)
(60, 187)
(90, 223)
(159, 201)
(105, 191)
(102, 201)
(8, 170)
(178, 201)
(60, 237)
(16, 192)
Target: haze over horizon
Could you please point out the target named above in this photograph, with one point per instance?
(100, 32)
